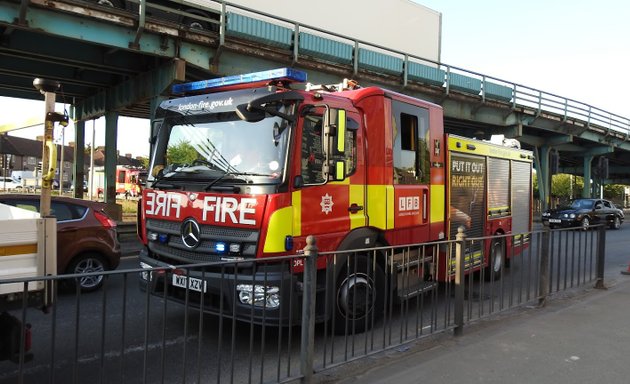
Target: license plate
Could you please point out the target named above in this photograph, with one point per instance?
(555, 221)
(193, 283)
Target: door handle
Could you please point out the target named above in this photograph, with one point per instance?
(354, 208)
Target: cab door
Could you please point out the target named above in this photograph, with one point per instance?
(330, 191)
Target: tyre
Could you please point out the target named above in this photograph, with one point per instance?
(616, 223)
(87, 263)
(497, 259)
(359, 296)
(586, 223)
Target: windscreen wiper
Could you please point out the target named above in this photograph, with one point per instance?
(234, 173)
(255, 111)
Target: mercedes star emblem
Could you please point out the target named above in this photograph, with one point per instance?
(191, 233)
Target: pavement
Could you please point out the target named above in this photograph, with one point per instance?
(580, 336)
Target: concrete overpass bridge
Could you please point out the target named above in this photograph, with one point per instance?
(119, 58)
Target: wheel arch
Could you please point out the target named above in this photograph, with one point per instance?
(360, 238)
(84, 252)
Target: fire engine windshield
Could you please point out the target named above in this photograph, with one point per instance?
(221, 148)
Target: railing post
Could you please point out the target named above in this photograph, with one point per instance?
(459, 281)
(307, 352)
(601, 257)
(543, 284)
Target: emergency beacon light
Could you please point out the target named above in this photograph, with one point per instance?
(288, 75)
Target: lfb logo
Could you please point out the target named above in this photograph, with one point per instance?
(409, 203)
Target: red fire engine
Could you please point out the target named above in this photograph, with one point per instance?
(247, 167)
(129, 180)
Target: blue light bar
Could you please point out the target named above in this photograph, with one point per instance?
(288, 74)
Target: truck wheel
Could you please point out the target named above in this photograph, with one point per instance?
(497, 258)
(87, 263)
(359, 296)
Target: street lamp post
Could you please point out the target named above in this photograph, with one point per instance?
(48, 88)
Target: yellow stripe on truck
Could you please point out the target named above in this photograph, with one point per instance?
(15, 250)
(357, 220)
(438, 212)
(380, 206)
(297, 213)
(279, 227)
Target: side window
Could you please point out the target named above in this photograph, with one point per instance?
(28, 205)
(411, 138)
(121, 176)
(61, 211)
(312, 149)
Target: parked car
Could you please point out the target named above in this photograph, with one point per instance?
(583, 213)
(86, 236)
(8, 184)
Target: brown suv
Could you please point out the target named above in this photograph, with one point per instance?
(86, 236)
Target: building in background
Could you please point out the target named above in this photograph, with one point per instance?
(25, 155)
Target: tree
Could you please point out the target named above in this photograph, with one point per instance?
(144, 161)
(566, 186)
(181, 153)
(614, 192)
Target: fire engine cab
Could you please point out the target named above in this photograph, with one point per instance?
(246, 167)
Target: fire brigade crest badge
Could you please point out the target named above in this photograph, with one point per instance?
(327, 203)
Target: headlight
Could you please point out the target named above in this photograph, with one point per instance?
(259, 296)
(145, 275)
(572, 216)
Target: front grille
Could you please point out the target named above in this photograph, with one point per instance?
(185, 257)
(174, 248)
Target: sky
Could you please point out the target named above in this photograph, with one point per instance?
(578, 49)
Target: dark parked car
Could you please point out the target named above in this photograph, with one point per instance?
(584, 213)
(86, 236)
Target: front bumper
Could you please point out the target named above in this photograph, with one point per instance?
(563, 223)
(216, 292)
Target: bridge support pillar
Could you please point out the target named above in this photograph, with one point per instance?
(541, 161)
(111, 160)
(79, 159)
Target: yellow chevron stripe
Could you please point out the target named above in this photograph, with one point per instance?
(297, 213)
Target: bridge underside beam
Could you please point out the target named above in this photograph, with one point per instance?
(142, 88)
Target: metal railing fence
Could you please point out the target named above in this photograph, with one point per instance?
(372, 300)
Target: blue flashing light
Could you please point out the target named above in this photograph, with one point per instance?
(163, 238)
(219, 247)
(289, 74)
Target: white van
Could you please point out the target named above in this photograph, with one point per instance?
(8, 184)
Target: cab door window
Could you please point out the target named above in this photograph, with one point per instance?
(312, 154)
(411, 138)
(312, 148)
